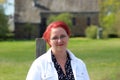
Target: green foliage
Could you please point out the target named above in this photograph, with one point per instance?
(117, 24)
(65, 17)
(108, 14)
(104, 34)
(106, 7)
(3, 24)
(108, 22)
(91, 32)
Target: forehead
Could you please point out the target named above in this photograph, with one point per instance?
(58, 29)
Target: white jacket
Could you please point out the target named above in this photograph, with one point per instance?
(43, 68)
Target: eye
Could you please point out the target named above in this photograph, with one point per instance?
(54, 38)
(62, 36)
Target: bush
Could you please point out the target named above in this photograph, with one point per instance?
(91, 32)
(105, 34)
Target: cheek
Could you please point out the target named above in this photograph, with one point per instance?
(67, 40)
(51, 43)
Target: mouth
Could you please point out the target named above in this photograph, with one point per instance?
(60, 44)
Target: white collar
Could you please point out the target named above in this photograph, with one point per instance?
(49, 58)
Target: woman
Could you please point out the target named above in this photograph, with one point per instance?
(58, 63)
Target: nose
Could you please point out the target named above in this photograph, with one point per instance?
(59, 39)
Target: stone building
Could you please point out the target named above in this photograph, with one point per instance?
(36, 12)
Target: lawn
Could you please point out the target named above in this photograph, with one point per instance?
(101, 57)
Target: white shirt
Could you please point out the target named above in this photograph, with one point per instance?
(43, 68)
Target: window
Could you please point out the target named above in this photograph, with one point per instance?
(74, 21)
(88, 21)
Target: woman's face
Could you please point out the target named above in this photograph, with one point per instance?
(58, 39)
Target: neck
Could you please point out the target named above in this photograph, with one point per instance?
(60, 54)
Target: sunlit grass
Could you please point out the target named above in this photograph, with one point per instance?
(15, 59)
(101, 57)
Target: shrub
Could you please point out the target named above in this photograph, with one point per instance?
(105, 34)
(91, 32)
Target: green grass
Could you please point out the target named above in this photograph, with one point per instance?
(15, 59)
(101, 57)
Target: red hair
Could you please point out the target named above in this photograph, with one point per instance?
(56, 24)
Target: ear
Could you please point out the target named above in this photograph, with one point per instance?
(49, 43)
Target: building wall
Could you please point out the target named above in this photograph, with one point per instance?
(81, 21)
(27, 30)
(26, 12)
(85, 13)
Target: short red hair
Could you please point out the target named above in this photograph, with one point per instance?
(56, 24)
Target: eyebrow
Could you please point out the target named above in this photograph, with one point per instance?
(56, 37)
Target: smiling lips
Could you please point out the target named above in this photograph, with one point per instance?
(60, 44)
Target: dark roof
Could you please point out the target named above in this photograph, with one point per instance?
(69, 5)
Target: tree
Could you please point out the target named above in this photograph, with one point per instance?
(3, 24)
(65, 17)
(2, 1)
(109, 21)
(117, 24)
(108, 11)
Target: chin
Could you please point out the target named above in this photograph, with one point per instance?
(61, 48)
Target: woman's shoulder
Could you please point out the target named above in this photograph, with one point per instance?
(75, 58)
(46, 57)
(80, 60)
(43, 57)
